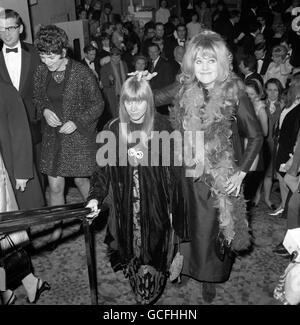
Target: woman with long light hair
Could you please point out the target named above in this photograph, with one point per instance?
(211, 100)
(140, 233)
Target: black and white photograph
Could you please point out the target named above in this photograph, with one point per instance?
(149, 155)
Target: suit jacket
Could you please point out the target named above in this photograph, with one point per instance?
(256, 76)
(248, 44)
(164, 77)
(266, 62)
(30, 61)
(97, 66)
(228, 32)
(109, 91)
(169, 47)
(175, 69)
(16, 147)
(268, 34)
(248, 17)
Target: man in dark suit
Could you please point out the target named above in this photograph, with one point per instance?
(249, 15)
(172, 42)
(18, 62)
(90, 53)
(228, 29)
(248, 41)
(162, 67)
(263, 58)
(248, 67)
(266, 28)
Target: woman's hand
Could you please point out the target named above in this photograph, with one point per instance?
(234, 183)
(21, 184)
(51, 118)
(68, 128)
(93, 205)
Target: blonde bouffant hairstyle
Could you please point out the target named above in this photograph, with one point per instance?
(134, 90)
(207, 44)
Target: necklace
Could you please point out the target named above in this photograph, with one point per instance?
(58, 76)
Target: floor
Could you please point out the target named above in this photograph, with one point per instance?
(252, 281)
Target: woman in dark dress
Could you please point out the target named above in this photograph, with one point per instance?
(140, 234)
(66, 94)
(210, 101)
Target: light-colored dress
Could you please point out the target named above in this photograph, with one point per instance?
(7, 197)
(280, 72)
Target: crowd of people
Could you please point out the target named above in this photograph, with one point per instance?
(232, 77)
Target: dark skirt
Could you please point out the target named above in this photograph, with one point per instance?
(200, 259)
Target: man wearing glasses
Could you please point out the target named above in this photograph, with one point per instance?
(18, 62)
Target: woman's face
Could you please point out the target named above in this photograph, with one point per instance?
(140, 65)
(203, 5)
(52, 61)
(136, 110)
(251, 93)
(206, 69)
(272, 92)
(163, 4)
(277, 59)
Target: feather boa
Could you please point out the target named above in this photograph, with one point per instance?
(214, 118)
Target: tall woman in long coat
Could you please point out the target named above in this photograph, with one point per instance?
(211, 102)
(66, 94)
(16, 148)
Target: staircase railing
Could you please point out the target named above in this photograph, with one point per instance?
(20, 220)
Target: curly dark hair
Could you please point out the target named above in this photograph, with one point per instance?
(51, 39)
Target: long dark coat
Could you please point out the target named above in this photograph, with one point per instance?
(70, 155)
(159, 196)
(16, 147)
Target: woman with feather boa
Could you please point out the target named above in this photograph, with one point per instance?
(210, 100)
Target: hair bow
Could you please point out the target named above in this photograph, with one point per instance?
(145, 75)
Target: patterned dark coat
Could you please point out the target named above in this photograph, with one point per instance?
(71, 155)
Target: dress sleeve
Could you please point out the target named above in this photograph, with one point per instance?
(248, 127)
(94, 103)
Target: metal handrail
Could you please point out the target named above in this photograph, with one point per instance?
(20, 220)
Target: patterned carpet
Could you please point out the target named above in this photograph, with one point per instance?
(252, 280)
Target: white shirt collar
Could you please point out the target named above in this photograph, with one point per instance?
(155, 62)
(18, 45)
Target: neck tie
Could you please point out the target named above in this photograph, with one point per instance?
(181, 42)
(8, 50)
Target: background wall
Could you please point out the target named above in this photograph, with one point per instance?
(21, 6)
(51, 11)
(41, 12)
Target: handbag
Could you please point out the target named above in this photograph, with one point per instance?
(16, 263)
(19, 239)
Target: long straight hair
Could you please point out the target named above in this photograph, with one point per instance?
(207, 44)
(134, 90)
